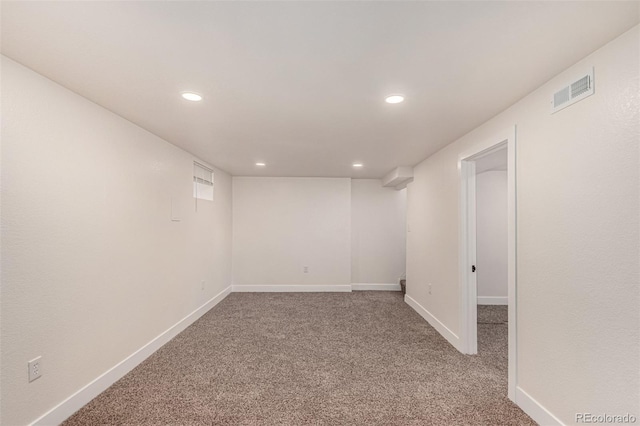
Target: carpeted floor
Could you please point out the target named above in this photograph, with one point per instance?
(493, 338)
(493, 314)
(313, 358)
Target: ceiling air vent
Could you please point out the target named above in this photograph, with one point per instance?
(573, 92)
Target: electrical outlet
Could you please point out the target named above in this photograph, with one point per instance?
(305, 269)
(429, 288)
(202, 285)
(35, 368)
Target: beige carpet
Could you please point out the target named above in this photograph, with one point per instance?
(493, 314)
(313, 358)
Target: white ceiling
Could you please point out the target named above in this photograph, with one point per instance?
(301, 85)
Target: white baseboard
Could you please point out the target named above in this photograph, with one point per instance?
(434, 322)
(375, 286)
(66, 408)
(492, 300)
(290, 288)
(535, 410)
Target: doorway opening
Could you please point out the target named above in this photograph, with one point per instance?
(488, 244)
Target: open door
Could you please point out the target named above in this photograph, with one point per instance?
(468, 247)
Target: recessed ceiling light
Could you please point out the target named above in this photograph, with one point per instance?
(394, 99)
(261, 164)
(357, 164)
(190, 96)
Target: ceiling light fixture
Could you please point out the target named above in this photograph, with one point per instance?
(261, 164)
(357, 164)
(394, 99)
(190, 96)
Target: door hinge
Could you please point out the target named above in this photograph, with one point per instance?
(473, 268)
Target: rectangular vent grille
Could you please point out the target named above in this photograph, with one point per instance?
(580, 86)
(573, 92)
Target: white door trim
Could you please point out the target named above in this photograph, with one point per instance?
(467, 244)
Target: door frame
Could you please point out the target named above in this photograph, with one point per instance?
(467, 256)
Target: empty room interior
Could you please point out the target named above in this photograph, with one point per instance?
(320, 212)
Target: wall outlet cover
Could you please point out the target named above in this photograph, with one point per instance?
(35, 368)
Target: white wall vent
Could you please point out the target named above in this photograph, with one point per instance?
(573, 92)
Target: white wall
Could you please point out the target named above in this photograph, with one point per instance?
(578, 237)
(345, 231)
(281, 225)
(491, 236)
(378, 222)
(92, 266)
